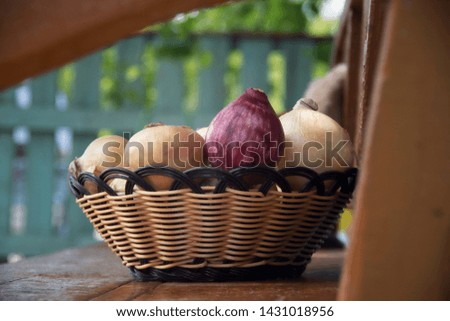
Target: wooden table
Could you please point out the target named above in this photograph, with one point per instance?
(95, 273)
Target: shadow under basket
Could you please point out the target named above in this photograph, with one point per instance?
(210, 225)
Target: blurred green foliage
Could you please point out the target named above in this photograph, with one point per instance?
(285, 16)
(258, 16)
(176, 39)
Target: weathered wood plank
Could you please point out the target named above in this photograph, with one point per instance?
(129, 63)
(86, 97)
(73, 274)
(254, 70)
(78, 224)
(7, 98)
(86, 86)
(299, 62)
(319, 282)
(95, 273)
(40, 153)
(31, 44)
(43, 90)
(40, 173)
(79, 120)
(128, 291)
(6, 159)
(170, 92)
(245, 291)
(212, 94)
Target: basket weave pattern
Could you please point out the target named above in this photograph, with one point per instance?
(164, 230)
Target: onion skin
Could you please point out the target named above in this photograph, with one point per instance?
(247, 132)
(202, 131)
(102, 153)
(312, 135)
(156, 145)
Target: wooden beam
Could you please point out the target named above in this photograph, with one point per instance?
(80, 121)
(373, 23)
(347, 49)
(338, 53)
(400, 247)
(352, 56)
(39, 35)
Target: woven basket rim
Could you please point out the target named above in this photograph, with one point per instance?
(345, 180)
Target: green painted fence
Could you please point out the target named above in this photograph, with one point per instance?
(120, 89)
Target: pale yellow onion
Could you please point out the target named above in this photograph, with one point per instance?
(102, 153)
(305, 125)
(139, 153)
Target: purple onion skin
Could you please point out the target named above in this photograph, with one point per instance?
(246, 133)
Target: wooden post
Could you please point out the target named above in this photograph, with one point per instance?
(373, 27)
(347, 49)
(131, 84)
(40, 155)
(299, 63)
(7, 100)
(86, 94)
(255, 53)
(38, 35)
(400, 248)
(170, 91)
(212, 91)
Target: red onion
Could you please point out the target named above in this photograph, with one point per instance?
(247, 132)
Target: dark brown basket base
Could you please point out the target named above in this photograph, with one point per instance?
(207, 274)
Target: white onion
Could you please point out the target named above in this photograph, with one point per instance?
(314, 140)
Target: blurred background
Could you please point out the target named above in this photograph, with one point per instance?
(180, 72)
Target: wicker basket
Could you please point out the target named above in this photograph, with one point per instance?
(209, 226)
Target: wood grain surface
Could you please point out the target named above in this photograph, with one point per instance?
(402, 208)
(38, 35)
(95, 273)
